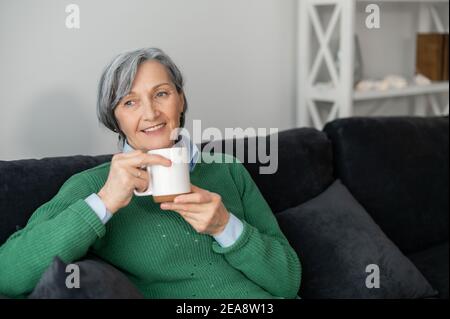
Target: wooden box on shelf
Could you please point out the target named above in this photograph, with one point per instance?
(445, 67)
(432, 56)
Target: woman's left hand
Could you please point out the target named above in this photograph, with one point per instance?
(202, 209)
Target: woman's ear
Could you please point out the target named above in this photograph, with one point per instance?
(183, 102)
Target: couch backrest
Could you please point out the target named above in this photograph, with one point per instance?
(304, 167)
(304, 171)
(27, 184)
(397, 168)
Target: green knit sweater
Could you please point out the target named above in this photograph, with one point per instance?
(158, 250)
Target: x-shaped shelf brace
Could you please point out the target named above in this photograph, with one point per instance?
(324, 55)
(435, 108)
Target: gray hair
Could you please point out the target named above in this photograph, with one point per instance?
(117, 78)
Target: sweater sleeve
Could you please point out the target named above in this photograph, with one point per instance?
(262, 252)
(66, 226)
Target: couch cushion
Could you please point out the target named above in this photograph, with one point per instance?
(27, 184)
(398, 169)
(304, 167)
(336, 240)
(433, 263)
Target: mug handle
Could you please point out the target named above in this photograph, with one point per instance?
(149, 190)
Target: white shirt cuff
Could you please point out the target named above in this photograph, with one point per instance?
(97, 205)
(231, 233)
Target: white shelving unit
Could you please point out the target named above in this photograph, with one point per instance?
(340, 93)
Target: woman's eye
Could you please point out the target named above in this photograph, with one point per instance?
(161, 94)
(128, 103)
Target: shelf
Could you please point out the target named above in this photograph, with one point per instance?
(340, 90)
(329, 95)
(438, 87)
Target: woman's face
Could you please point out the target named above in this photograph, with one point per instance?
(149, 113)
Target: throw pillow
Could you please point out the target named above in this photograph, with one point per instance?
(342, 251)
(98, 280)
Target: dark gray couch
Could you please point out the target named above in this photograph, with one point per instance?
(396, 168)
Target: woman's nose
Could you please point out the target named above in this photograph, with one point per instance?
(149, 111)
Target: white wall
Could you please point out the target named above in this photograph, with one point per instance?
(237, 56)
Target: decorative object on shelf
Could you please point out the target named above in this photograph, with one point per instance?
(389, 82)
(396, 81)
(365, 85)
(421, 79)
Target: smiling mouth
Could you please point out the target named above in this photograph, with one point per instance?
(154, 128)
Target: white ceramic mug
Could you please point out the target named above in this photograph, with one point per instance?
(166, 183)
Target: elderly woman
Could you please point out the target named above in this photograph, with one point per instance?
(219, 241)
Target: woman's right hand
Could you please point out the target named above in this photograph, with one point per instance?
(126, 175)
